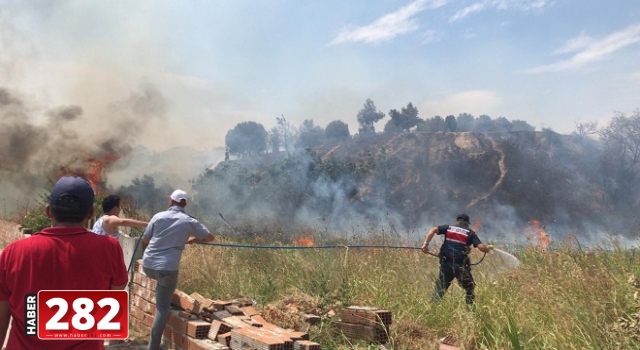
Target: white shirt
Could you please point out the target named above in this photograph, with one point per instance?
(98, 229)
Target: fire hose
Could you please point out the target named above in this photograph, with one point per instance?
(325, 247)
(471, 264)
(228, 245)
(301, 247)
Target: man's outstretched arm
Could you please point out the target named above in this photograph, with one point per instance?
(115, 221)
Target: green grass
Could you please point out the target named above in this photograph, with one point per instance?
(563, 298)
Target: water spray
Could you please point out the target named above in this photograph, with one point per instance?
(507, 258)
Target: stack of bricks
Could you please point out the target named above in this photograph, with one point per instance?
(199, 323)
(365, 323)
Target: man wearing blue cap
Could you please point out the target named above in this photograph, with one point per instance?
(454, 256)
(65, 256)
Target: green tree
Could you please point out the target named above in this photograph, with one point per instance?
(287, 132)
(584, 129)
(404, 120)
(452, 124)
(621, 161)
(466, 122)
(274, 139)
(144, 195)
(484, 124)
(393, 125)
(247, 138)
(521, 125)
(368, 116)
(409, 117)
(502, 124)
(337, 130)
(434, 124)
(310, 135)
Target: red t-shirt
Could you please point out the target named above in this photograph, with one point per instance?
(66, 258)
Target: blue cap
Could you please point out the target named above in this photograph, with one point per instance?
(74, 186)
(463, 217)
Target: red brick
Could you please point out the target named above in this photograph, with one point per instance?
(205, 303)
(138, 325)
(249, 311)
(224, 338)
(176, 322)
(145, 293)
(220, 315)
(185, 302)
(255, 338)
(217, 327)
(144, 281)
(143, 304)
(447, 347)
(138, 266)
(377, 333)
(305, 345)
(219, 305)
(198, 329)
(147, 320)
(136, 312)
(175, 338)
(234, 310)
(289, 333)
(365, 315)
(205, 344)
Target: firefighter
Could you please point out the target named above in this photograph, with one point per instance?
(454, 256)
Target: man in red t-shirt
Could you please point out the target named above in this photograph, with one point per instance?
(64, 256)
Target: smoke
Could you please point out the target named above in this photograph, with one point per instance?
(519, 188)
(66, 141)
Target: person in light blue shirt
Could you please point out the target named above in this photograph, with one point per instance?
(165, 238)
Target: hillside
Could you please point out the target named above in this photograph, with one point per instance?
(513, 177)
(408, 181)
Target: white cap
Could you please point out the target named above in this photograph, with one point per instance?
(178, 195)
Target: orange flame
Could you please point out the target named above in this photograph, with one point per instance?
(304, 241)
(476, 225)
(91, 168)
(538, 232)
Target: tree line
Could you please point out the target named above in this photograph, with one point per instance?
(252, 138)
(620, 140)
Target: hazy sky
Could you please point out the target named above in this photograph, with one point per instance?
(218, 63)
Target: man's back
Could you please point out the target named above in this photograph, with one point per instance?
(66, 258)
(168, 232)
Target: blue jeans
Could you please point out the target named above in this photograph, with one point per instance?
(165, 286)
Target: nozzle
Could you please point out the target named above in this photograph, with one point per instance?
(490, 246)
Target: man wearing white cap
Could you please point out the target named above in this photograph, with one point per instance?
(165, 237)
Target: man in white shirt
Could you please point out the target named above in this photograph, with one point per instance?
(110, 222)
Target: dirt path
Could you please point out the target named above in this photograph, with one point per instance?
(503, 174)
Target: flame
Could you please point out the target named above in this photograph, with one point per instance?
(538, 232)
(92, 169)
(303, 241)
(476, 225)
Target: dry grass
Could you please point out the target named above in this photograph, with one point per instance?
(563, 298)
(566, 298)
(9, 232)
